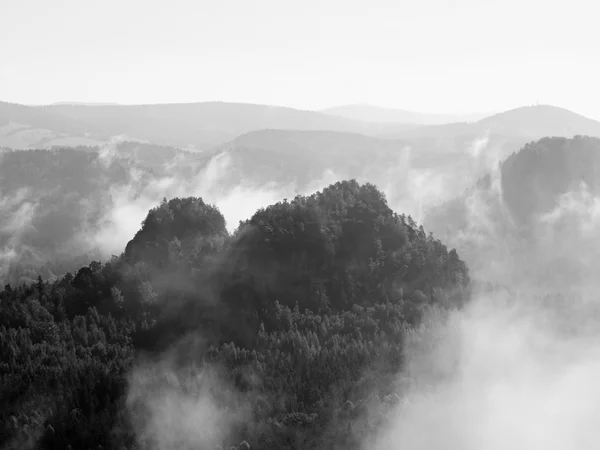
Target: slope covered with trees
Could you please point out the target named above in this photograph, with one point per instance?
(534, 179)
(299, 162)
(51, 204)
(531, 182)
(534, 213)
(286, 334)
(62, 208)
(301, 157)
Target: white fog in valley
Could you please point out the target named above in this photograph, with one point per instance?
(517, 367)
(477, 121)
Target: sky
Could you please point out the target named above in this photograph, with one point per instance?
(438, 56)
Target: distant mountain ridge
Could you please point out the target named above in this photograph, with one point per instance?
(204, 126)
(85, 103)
(530, 122)
(303, 156)
(371, 113)
(197, 125)
(542, 121)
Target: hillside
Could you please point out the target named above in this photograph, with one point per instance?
(26, 127)
(67, 206)
(535, 122)
(160, 159)
(54, 205)
(414, 175)
(535, 179)
(536, 214)
(265, 358)
(301, 157)
(39, 118)
(528, 122)
(496, 137)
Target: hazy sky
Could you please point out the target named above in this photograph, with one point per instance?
(424, 55)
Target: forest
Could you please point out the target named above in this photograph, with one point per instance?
(287, 333)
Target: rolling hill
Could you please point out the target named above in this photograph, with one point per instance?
(502, 133)
(295, 156)
(414, 174)
(196, 125)
(23, 127)
(528, 122)
(208, 125)
(53, 206)
(370, 113)
(200, 125)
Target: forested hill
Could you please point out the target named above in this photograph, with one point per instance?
(286, 320)
(534, 179)
(533, 217)
(51, 205)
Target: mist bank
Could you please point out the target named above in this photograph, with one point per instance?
(507, 371)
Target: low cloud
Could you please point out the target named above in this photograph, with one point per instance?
(508, 372)
(183, 407)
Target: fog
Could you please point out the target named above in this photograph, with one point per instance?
(518, 367)
(498, 376)
(16, 219)
(181, 407)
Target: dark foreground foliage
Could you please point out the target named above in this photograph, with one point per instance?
(287, 334)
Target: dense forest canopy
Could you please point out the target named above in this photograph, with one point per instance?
(288, 332)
